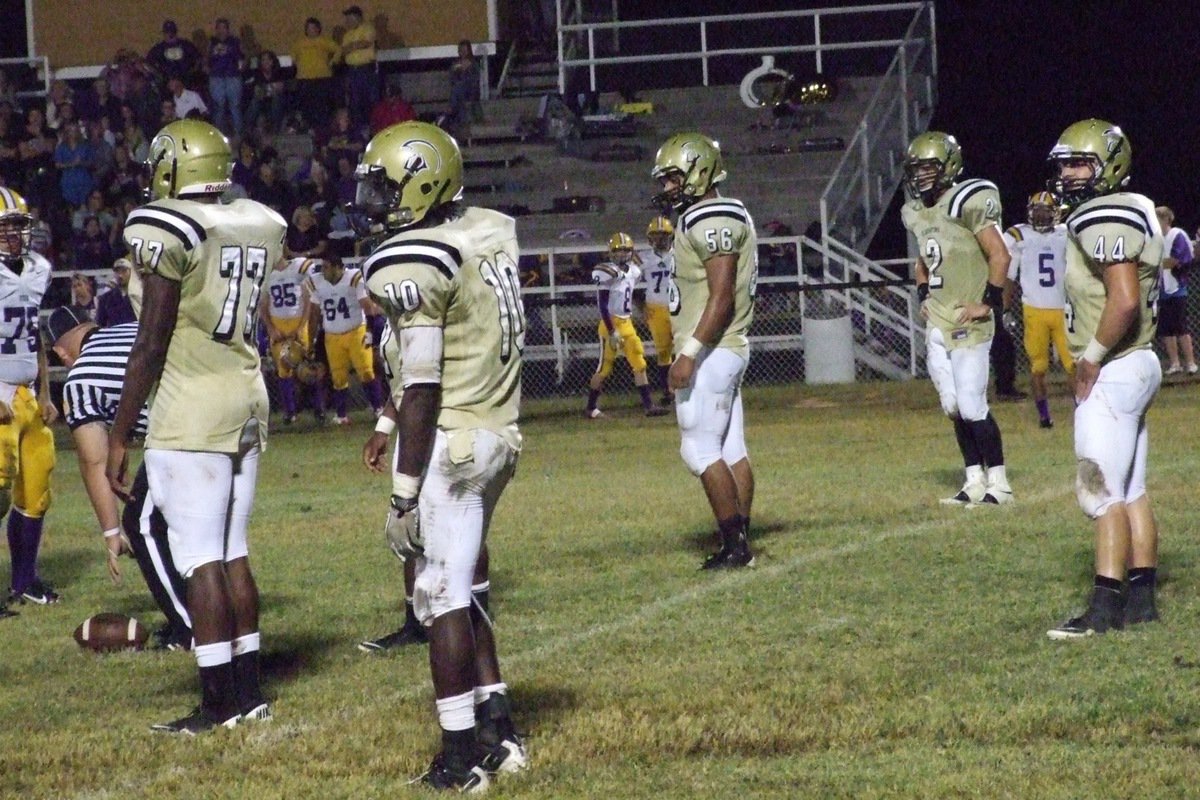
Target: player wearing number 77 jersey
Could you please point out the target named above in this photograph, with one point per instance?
(202, 266)
(447, 279)
(961, 269)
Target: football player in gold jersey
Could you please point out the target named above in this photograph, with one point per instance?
(1114, 253)
(202, 266)
(447, 280)
(960, 271)
(26, 410)
(716, 269)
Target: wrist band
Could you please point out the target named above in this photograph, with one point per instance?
(385, 425)
(1095, 352)
(993, 296)
(922, 292)
(691, 347)
(406, 486)
(111, 532)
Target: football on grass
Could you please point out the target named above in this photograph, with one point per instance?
(107, 632)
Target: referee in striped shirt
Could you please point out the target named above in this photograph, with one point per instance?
(96, 358)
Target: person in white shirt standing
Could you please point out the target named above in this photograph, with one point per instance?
(1038, 249)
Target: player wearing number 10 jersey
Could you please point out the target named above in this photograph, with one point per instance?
(202, 265)
(961, 268)
(447, 279)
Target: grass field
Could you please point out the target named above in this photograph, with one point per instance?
(884, 646)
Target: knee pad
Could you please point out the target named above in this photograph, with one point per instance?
(436, 592)
(1039, 364)
(38, 506)
(699, 451)
(950, 408)
(1091, 489)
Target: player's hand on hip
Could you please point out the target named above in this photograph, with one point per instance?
(374, 450)
(1086, 374)
(973, 312)
(679, 376)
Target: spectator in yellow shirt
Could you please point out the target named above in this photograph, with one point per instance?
(314, 55)
(358, 53)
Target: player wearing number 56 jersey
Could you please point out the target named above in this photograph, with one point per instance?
(447, 279)
(961, 268)
(716, 267)
(1038, 249)
(26, 444)
(1114, 252)
(202, 265)
(284, 304)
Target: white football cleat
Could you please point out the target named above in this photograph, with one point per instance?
(972, 492)
(997, 494)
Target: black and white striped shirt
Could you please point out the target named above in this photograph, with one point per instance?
(93, 387)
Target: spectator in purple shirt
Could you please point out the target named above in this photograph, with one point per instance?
(114, 307)
(1172, 302)
(173, 57)
(225, 77)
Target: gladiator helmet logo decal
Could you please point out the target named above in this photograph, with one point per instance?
(420, 155)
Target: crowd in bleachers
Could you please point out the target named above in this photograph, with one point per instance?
(76, 154)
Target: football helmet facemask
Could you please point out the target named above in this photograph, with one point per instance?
(406, 172)
(291, 354)
(1042, 211)
(693, 162)
(932, 163)
(1101, 146)
(16, 226)
(620, 248)
(660, 232)
(189, 158)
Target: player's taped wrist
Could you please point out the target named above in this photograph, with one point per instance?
(691, 348)
(922, 292)
(111, 532)
(405, 487)
(1095, 352)
(385, 425)
(994, 296)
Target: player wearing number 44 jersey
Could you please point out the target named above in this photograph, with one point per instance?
(960, 272)
(26, 443)
(716, 267)
(202, 265)
(447, 279)
(1115, 249)
(1038, 249)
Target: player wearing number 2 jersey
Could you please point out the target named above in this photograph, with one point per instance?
(202, 265)
(26, 443)
(960, 271)
(1114, 253)
(716, 266)
(447, 279)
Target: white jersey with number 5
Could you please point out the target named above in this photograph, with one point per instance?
(284, 287)
(219, 255)
(1039, 260)
(461, 276)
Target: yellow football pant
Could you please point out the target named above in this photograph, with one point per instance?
(293, 328)
(631, 343)
(26, 457)
(346, 350)
(658, 320)
(1042, 325)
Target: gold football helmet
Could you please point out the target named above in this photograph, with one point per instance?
(407, 171)
(1103, 147)
(695, 161)
(933, 162)
(310, 371)
(189, 158)
(660, 233)
(1042, 211)
(16, 225)
(620, 247)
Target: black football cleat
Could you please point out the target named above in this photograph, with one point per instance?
(1140, 607)
(409, 634)
(5, 611)
(195, 723)
(1091, 623)
(472, 779)
(730, 557)
(657, 411)
(1046, 423)
(39, 592)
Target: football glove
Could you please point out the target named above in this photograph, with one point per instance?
(402, 530)
(614, 341)
(1011, 323)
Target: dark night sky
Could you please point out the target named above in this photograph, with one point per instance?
(1013, 74)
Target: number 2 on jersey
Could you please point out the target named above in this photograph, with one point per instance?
(932, 256)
